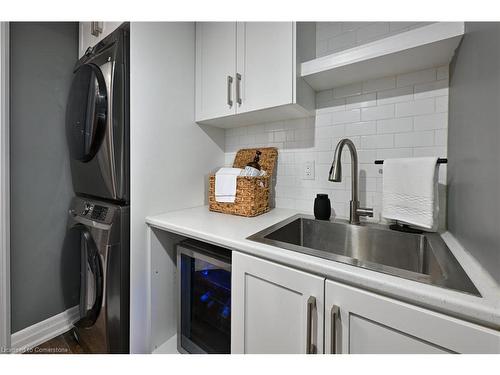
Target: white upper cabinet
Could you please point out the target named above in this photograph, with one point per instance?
(361, 322)
(275, 309)
(246, 72)
(87, 30)
(265, 64)
(215, 69)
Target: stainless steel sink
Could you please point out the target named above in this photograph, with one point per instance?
(420, 257)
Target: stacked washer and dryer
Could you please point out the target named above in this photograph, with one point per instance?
(97, 129)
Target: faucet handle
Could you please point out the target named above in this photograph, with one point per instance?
(363, 211)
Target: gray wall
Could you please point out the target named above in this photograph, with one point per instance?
(44, 266)
(474, 145)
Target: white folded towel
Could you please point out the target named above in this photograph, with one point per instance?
(225, 184)
(410, 191)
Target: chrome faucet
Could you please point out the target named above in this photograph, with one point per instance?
(336, 176)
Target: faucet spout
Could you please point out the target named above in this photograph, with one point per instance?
(335, 175)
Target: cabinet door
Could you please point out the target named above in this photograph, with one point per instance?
(215, 69)
(357, 321)
(265, 65)
(275, 309)
(86, 38)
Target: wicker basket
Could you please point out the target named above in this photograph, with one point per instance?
(252, 193)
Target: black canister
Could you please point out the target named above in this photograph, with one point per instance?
(322, 207)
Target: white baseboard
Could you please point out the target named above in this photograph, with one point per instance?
(43, 331)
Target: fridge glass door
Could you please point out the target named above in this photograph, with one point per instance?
(205, 299)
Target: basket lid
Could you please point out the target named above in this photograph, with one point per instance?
(267, 158)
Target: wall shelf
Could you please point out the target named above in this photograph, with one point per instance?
(428, 46)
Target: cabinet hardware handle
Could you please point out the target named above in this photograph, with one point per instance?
(96, 28)
(310, 346)
(238, 88)
(229, 84)
(335, 315)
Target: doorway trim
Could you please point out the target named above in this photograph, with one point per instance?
(5, 335)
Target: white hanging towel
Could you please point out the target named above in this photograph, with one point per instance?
(410, 191)
(225, 184)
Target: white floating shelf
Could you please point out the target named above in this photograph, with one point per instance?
(417, 49)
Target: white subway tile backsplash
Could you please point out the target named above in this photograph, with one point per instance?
(394, 153)
(442, 104)
(339, 209)
(349, 90)
(412, 78)
(350, 26)
(389, 117)
(280, 136)
(372, 32)
(343, 117)
(322, 47)
(379, 84)
(322, 144)
(324, 157)
(344, 35)
(323, 132)
(326, 30)
(342, 41)
(397, 26)
(377, 141)
(433, 121)
(415, 108)
(324, 96)
(397, 125)
(361, 128)
(285, 203)
(330, 106)
(370, 169)
(437, 151)
(400, 94)
(232, 140)
(264, 138)
(361, 101)
(287, 157)
(414, 139)
(303, 134)
(276, 126)
(441, 137)
(443, 72)
(339, 197)
(431, 89)
(377, 113)
(323, 119)
(338, 131)
(367, 156)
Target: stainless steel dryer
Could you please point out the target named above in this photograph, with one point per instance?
(103, 228)
(97, 119)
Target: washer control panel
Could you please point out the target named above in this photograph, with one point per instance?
(99, 213)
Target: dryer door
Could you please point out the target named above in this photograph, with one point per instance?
(91, 279)
(86, 112)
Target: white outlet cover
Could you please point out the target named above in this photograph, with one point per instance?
(308, 170)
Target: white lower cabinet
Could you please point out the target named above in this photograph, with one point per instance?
(361, 322)
(278, 309)
(275, 309)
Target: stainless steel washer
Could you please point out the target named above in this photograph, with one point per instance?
(103, 228)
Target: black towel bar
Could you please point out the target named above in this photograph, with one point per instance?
(439, 161)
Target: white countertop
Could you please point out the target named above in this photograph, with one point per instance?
(231, 232)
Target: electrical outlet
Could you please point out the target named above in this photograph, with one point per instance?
(308, 170)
